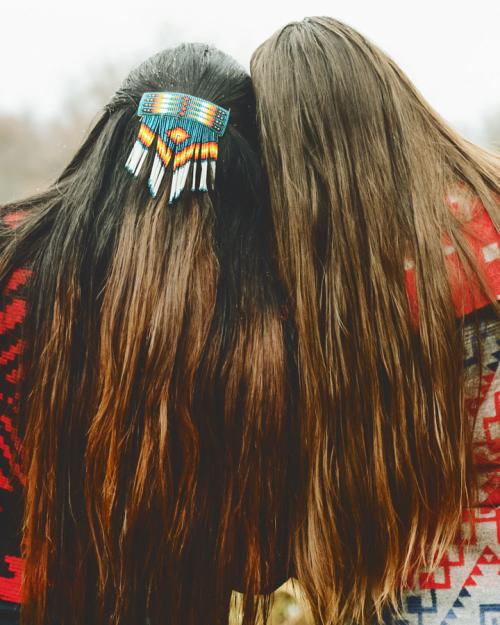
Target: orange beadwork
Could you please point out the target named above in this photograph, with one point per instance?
(187, 130)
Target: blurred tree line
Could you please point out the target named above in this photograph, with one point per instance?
(33, 153)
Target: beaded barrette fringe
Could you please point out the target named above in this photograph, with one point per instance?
(187, 130)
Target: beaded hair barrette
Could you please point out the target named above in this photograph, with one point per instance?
(187, 130)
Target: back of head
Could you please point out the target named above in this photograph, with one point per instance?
(360, 168)
(155, 372)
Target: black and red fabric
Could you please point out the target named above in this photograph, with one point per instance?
(12, 315)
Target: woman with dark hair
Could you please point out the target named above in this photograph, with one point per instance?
(387, 235)
(147, 429)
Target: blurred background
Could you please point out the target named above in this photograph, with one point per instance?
(60, 61)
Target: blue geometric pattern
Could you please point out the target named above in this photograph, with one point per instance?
(465, 588)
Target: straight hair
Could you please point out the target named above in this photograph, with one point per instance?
(156, 398)
(360, 168)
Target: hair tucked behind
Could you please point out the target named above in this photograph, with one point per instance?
(359, 168)
(155, 377)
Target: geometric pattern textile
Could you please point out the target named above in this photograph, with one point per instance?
(465, 588)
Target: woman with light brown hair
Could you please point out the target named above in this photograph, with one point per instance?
(387, 233)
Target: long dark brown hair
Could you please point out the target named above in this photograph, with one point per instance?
(359, 168)
(157, 398)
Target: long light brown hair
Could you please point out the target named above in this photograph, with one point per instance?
(359, 168)
(157, 396)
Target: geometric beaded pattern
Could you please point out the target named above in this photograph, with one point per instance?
(182, 105)
(186, 130)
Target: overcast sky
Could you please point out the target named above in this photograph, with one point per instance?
(449, 48)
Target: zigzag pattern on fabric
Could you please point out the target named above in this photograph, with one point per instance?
(12, 315)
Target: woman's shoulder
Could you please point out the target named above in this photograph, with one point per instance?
(483, 241)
